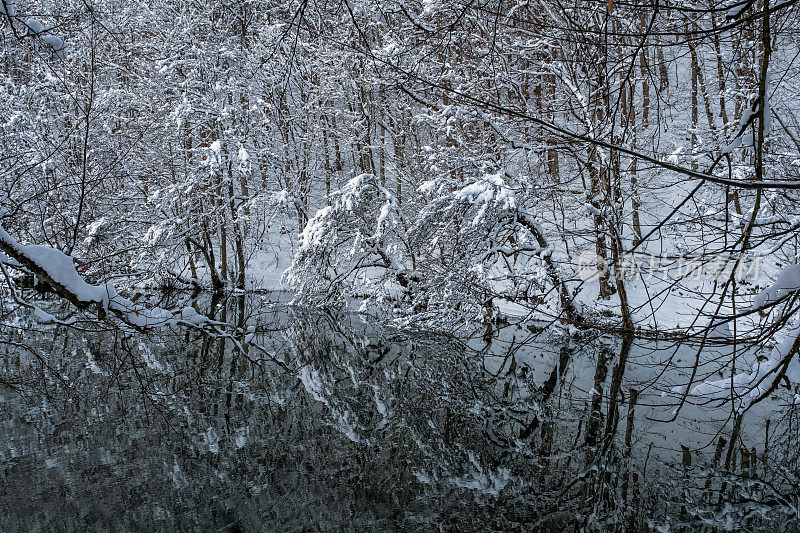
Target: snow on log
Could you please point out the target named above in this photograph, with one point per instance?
(57, 270)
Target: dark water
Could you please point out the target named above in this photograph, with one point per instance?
(341, 425)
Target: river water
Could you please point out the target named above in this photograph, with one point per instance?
(338, 424)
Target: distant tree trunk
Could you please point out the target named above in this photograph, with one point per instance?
(663, 74)
(695, 106)
(304, 191)
(207, 250)
(339, 166)
(723, 113)
(219, 208)
(635, 201)
(598, 171)
(238, 238)
(327, 167)
(552, 151)
(192, 267)
(599, 180)
(399, 142)
(381, 150)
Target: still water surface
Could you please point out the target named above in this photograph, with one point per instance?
(339, 424)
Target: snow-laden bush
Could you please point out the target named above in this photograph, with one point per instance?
(356, 245)
(463, 246)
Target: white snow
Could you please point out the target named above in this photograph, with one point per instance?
(60, 268)
(42, 316)
(788, 281)
(34, 26)
(7, 8)
(58, 46)
(746, 387)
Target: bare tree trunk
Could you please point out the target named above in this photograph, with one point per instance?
(219, 205)
(599, 182)
(663, 75)
(399, 142)
(635, 201)
(238, 239)
(695, 107)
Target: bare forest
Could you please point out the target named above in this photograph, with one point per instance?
(386, 265)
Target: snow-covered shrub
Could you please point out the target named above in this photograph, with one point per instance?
(357, 245)
(468, 243)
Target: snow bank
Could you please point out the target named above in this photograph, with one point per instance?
(747, 387)
(788, 281)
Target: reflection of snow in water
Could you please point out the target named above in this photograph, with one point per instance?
(370, 423)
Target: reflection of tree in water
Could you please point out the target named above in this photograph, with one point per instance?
(369, 428)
